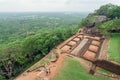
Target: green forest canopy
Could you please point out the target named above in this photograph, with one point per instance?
(26, 37)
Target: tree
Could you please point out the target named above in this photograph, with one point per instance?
(114, 12)
(104, 10)
(8, 59)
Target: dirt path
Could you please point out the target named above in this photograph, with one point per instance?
(56, 65)
(39, 75)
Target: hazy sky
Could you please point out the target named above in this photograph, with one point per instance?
(53, 5)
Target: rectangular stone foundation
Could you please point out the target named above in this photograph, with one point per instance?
(77, 50)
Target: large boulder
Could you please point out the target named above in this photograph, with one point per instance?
(53, 57)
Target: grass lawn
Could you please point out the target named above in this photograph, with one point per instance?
(73, 70)
(114, 47)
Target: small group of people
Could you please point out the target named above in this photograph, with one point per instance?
(47, 71)
(44, 70)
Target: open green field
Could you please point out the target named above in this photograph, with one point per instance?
(73, 70)
(114, 47)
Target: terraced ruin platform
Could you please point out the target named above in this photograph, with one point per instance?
(87, 47)
(79, 48)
